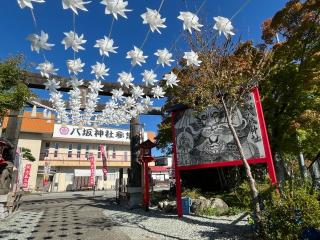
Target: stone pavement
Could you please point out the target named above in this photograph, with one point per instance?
(61, 216)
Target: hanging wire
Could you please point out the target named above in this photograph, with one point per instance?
(147, 35)
(203, 3)
(35, 23)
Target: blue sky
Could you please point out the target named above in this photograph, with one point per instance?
(16, 24)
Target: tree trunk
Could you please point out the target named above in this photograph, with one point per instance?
(302, 166)
(252, 183)
(280, 168)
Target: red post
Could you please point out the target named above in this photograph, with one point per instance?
(176, 170)
(270, 166)
(146, 198)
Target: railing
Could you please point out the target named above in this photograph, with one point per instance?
(82, 157)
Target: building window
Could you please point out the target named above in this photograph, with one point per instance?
(126, 156)
(113, 152)
(87, 151)
(56, 149)
(69, 150)
(78, 150)
(99, 152)
(46, 149)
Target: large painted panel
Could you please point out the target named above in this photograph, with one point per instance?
(206, 137)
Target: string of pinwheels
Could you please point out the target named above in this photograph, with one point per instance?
(119, 109)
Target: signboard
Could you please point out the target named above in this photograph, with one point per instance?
(90, 133)
(104, 162)
(206, 138)
(26, 175)
(92, 170)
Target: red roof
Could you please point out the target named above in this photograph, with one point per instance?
(159, 168)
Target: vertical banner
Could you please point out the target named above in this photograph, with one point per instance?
(92, 170)
(104, 162)
(46, 172)
(26, 175)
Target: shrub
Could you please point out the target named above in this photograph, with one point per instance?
(287, 214)
(243, 194)
(193, 193)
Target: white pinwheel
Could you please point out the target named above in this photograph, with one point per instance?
(129, 102)
(158, 92)
(74, 82)
(105, 46)
(190, 20)
(164, 57)
(46, 69)
(55, 96)
(137, 92)
(133, 113)
(28, 3)
(111, 104)
(149, 77)
(125, 79)
(95, 86)
(52, 85)
(140, 108)
(100, 70)
(153, 18)
(117, 94)
(39, 42)
(75, 66)
(116, 7)
(74, 41)
(171, 79)
(223, 25)
(137, 56)
(147, 101)
(192, 58)
(74, 4)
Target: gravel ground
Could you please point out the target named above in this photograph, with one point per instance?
(138, 224)
(20, 226)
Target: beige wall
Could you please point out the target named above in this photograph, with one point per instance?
(31, 141)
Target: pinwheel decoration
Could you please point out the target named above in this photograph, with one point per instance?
(28, 3)
(223, 25)
(46, 69)
(39, 42)
(136, 56)
(149, 77)
(192, 58)
(116, 7)
(74, 41)
(74, 4)
(153, 18)
(130, 99)
(190, 21)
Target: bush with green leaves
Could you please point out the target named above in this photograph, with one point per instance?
(288, 213)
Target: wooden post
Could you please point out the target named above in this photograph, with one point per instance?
(146, 197)
(176, 170)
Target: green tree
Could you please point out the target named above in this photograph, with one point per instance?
(13, 92)
(291, 94)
